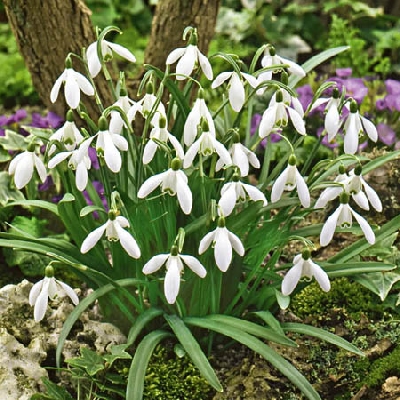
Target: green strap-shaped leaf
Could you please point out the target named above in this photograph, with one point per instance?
(81, 307)
(252, 329)
(140, 323)
(321, 334)
(261, 348)
(46, 205)
(269, 319)
(194, 351)
(137, 370)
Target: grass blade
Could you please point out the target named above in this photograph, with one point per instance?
(140, 323)
(194, 351)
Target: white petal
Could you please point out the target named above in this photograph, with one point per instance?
(94, 64)
(228, 199)
(279, 185)
(151, 184)
(205, 65)
(267, 121)
(112, 157)
(177, 146)
(302, 190)
(70, 292)
(41, 302)
(185, 65)
(251, 79)
(332, 122)
(121, 51)
(222, 249)
(351, 135)
(236, 243)
(367, 230)
(255, 194)
(149, 151)
(297, 120)
(329, 227)
(361, 199)
(236, 93)
(155, 263)
(320, 276)
(172, 282)
(72, 92)
(327, 195)
(120, 142)
(58, 158)
(372, 196)
(23, 169)
(56, 87)
(183, 192)
(220, 79)
(127, 241)
(175, 54)
(370, 129)
(40, 168)
(191, 153)
(93, 238)
(292, 278)
(35, 291)
(206, 241)
(195, 265)
(84, 84)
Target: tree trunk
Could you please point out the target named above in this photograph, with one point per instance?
(46, 31)
(170, 20)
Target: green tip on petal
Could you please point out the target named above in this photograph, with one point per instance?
(204, 125)
(162, 122)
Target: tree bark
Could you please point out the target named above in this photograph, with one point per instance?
(170, 20)
(46, 31)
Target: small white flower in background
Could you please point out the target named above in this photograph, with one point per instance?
(332, 116)
(355, 186)
(68, 134)
(223, 241)
(303, 266)
(23, 166)
(278, 113)
(79, 161)
(189, 56)
(174, 182)
(288, 180)
(206, 145)
(236, 93)
(107, 49)
(343, 217)
(114, 230)
(330, 193)
(109, 145)
(198, 112)
(49, 287)
(241, 157)
(125, 104)
(174, 263)
(74, 83)
(236, 191)
(269, 59)
(354, 126)
(161, 134)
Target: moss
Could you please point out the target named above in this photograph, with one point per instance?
(171, 377)
(313, 302)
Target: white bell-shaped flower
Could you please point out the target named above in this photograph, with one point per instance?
(343, 217)
(223, 241)
(235, 192)
(278, 112)
(107, 49)
(236, 93)
(74, 83)
(303, 266)
(23, 166)
(188, 57)
(174, 182)
(174, 263)
(116, 120)
(114, 230)
(288, 180)
(49, 287)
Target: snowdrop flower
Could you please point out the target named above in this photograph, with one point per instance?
(189, 56)
(49, 287)
(68, 134)
(355, 125)
(288, 180)
(161, 134)
(74, 82)
(303, 266)
(79, 161)
(197, 114)
(223, 241)
(107, 48)
(343, 217)
(108, 146)
(355, 186)
(174, 263)
(332, 117)
(278, 113)
(206, 145)
(330, 193)
(174, 182)
(236, 191)
(114, 231)
(236, 89)
(125, 104)
(23, 166)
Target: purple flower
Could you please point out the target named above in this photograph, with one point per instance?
(325, 141)
(100, 191)
(344, 72)
(17, 117)
(255, 121)
(392, 86)
(380, 105)
(93, 157)
(51, 120)
(386, 134)
(305, 95)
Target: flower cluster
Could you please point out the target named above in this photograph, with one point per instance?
(188, 167)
